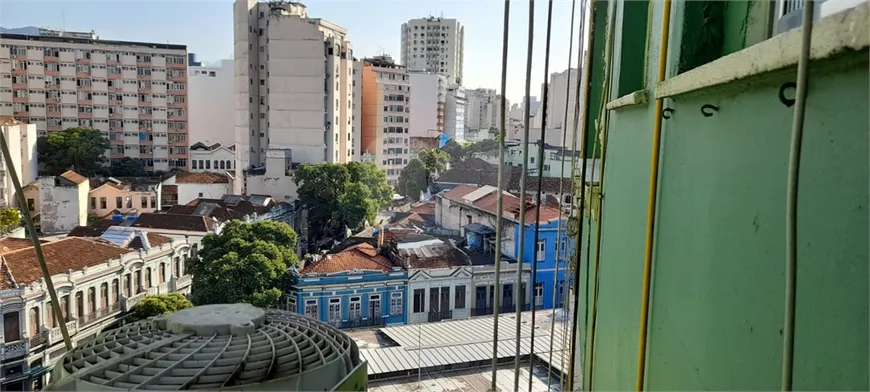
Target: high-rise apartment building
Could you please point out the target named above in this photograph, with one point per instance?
(428, 101)
(454, 113)
(293, 84)
(434, 45)
(386, 112)
(482, 113)
(134, 93)
(211, 104)
(561, 99)
(21, 140)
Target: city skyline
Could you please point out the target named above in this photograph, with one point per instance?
(370, 31)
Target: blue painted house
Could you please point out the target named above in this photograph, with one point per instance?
(472, 210)
(356, 287)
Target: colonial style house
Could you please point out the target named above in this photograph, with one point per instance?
(472, 210)
(357, 286)
(97, 279)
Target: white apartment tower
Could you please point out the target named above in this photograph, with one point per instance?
(434, 45)
(293, 88)
(454, 113)
(482, 113)
(561, 99)
(428, 101)
(134, 93)
(211, 104)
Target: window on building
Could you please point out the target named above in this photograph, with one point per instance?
(115, 291)
(396, 304)
(153, 201)
(311, 309)
(541, 253)
(539, 293)
(354, 310)
(93, 203)
(419, 300)
(375, 306)
(103, 203)
(31, 204)
(11, 326)
(333, 312)
(291, 302)
(119, 202)
(144, 201)
(460, 297)
(34, 321)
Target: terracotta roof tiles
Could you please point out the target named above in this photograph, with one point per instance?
(358, 257)
(74, 177)
(71, 253)
(201, 178)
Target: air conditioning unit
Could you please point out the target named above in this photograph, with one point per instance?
(227, 347)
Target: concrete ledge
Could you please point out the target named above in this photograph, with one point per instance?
(640, 97)
(847, 31)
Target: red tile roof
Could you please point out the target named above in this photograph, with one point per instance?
(150, 220)
(510, 204)
(10, 244)
(201, 178)
(71, 253)
(427, 207)
(74, 177)
(358, 257)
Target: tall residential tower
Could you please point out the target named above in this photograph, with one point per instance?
(434, 45)
(293, 92)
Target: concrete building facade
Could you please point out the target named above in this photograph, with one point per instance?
(434, 45)
(386, 115)
(293, 93)
(63, 202)
(134, 93)
(482, 113)
(21, 140)
(211, 104)
(455, 112)
(428, 103)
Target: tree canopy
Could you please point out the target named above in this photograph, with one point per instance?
(79, 149)
(454, 149)
(156, 305)
(413, 179)
(435, 161)
(338, 195)
(128, 167)
(246, 262)
(10, 219)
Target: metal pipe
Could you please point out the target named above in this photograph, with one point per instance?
(581, 202)
(559, 258)
(534, 278)
(500, 198)
(37, 248)
(791, 214)
(518, 299)
(651, 201)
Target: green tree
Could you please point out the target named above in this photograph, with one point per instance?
(156, 305)
(435, 161)
(373, 178)
(455, 150)
(246, 262)
(413, 179)
(320, 187)
(79, 149)
(357, 205)
(128, 167)
(481, 146)
(10, 219)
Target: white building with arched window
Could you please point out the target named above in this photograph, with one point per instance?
(96, 280)
(214, 158)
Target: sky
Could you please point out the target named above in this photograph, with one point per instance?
(374, 27)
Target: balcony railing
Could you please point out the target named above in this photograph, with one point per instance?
(99, 314)
(128, 303)
(40, 338)
(362, 323)
(14, 349)
(436, 316)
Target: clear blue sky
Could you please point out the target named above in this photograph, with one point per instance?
(373, 26)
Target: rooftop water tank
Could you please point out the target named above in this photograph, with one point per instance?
(228, 347)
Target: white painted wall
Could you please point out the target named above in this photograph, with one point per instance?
(455, 113)
(210, 156)
(211, 105)
(12, 133)
(428, 92)
(62, 208)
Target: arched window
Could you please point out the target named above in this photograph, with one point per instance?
(115, 291)
(229, 164)
(92, 300)
(215, 163)
(49, 315)
(34, 320)
(104, 296)
(223, 165)
(162, 272)
(80, 305)
(148, 278)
